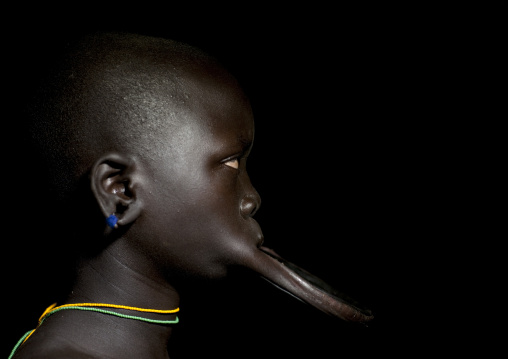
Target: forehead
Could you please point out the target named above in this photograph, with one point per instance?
(211, 118)
(217, 104)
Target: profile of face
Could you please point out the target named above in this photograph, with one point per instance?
(199, 200)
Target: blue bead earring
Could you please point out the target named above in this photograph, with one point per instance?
(112, 221)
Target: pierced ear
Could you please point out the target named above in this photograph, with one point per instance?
(113, 182)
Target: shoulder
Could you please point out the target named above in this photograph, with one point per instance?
(54, 354)
(54, 351)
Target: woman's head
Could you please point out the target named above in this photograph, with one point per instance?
(158, 133)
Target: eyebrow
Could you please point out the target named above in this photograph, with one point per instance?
(246, 143)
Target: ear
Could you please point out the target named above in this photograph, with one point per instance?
(114, 183)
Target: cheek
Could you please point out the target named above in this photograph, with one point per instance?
(196, 224)
(212, 214)
(199, 222)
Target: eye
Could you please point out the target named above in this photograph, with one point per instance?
(232, 163)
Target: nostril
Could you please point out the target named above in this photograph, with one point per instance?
(249, 206)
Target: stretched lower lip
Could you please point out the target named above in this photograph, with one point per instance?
(307, 287)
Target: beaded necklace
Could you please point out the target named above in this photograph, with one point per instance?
(93, 307)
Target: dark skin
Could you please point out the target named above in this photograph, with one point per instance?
(187, 210)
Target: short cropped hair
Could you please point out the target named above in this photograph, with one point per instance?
(105, 87)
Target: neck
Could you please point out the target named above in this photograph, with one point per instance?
(108, 278)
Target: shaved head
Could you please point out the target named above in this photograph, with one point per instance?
(114, 92)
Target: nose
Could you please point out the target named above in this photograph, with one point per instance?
(250, 203)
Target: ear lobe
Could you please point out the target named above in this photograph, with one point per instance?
(113, 183)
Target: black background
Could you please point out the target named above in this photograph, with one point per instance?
(352, 158)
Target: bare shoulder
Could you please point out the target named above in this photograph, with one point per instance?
(55, 354)
(54, 350)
